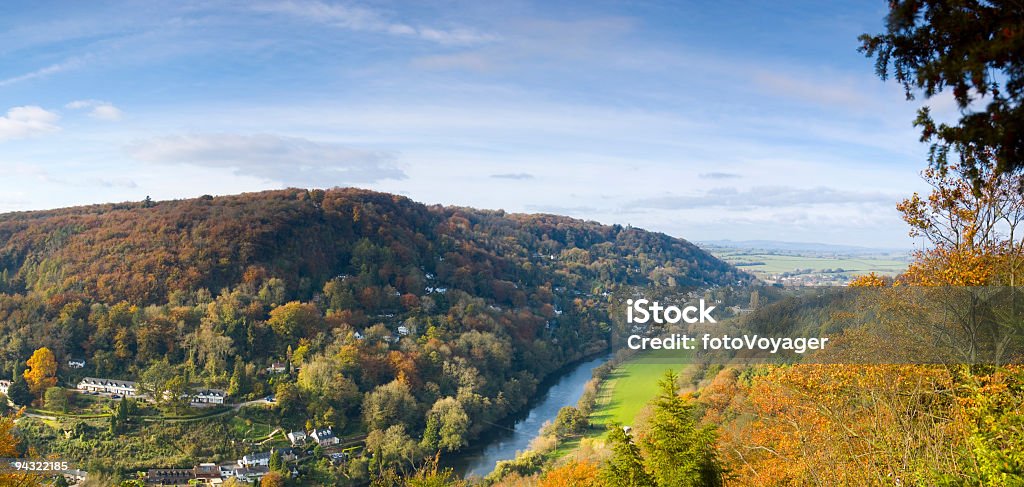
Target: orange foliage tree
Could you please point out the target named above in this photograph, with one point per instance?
(9, 449)
(971, 230)
(572, 474)
(42, 371)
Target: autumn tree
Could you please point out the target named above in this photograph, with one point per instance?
(388, 405)
(9, 448)
(41, 373)
(295, 320)
(272, 479)
(572, 474)
(977, 50)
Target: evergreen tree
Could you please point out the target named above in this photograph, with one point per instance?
(276, 463)
(625, 468)
(239, 384)
(18, 392)
(977, 50)
(676, 450)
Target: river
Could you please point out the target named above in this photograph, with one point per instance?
(514, 434)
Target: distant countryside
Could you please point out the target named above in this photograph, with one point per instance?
(803, 264)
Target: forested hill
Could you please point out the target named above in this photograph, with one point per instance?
(145, 252)
(404, 321)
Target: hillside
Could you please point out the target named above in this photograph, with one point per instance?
(418, 325)
(143, 252)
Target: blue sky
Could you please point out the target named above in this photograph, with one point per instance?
(704, 120)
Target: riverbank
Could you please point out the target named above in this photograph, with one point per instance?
(614, 396)
(507, 438)
(621, 397)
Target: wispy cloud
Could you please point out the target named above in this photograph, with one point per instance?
(719, 175)
(44, 72)
(358, 18)
(536, 43)
(819, 89)
(100, 110)
(561, 210)
(288, 160)
(516, 176)
(764, 197)
(27, 121)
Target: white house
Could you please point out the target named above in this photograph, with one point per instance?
(403, 330)
(125, 388)
(324, 437)
(4, 386)
(297, 437)
(255, 460)
(208, 396)
(276, 368)
(76, 363)
(251, 474)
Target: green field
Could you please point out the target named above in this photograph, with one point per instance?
(631, 386)
(778, 263)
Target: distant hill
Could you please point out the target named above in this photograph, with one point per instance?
(799, 247)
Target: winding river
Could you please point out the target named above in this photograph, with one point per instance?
(564, 388)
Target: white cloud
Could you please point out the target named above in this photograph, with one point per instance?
(358, 18)
(99, 110)
(287, 160)
(27, 121)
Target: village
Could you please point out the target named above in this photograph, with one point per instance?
(249, 469)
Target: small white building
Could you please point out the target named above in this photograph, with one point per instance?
(208, 396)
(297, 438)
(5, 385)
(124, 388)
(76, 363)
(277, 368)
(251, 474)
(255, 460)
(324, 437)
(403, 330)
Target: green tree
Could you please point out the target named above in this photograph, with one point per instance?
(295, 320)
(239, 384)
(975, 48)
(447, 425)
(276, 463)
(625, 467)
(166, 385)
(18, 392)
(392, 447)
(56, 399)
(388, 405)
(676, 451)
(288, 401)
(569, 422)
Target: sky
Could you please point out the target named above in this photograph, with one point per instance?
(703, 120)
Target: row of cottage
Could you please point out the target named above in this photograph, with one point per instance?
(127, 388)
(249, 468)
